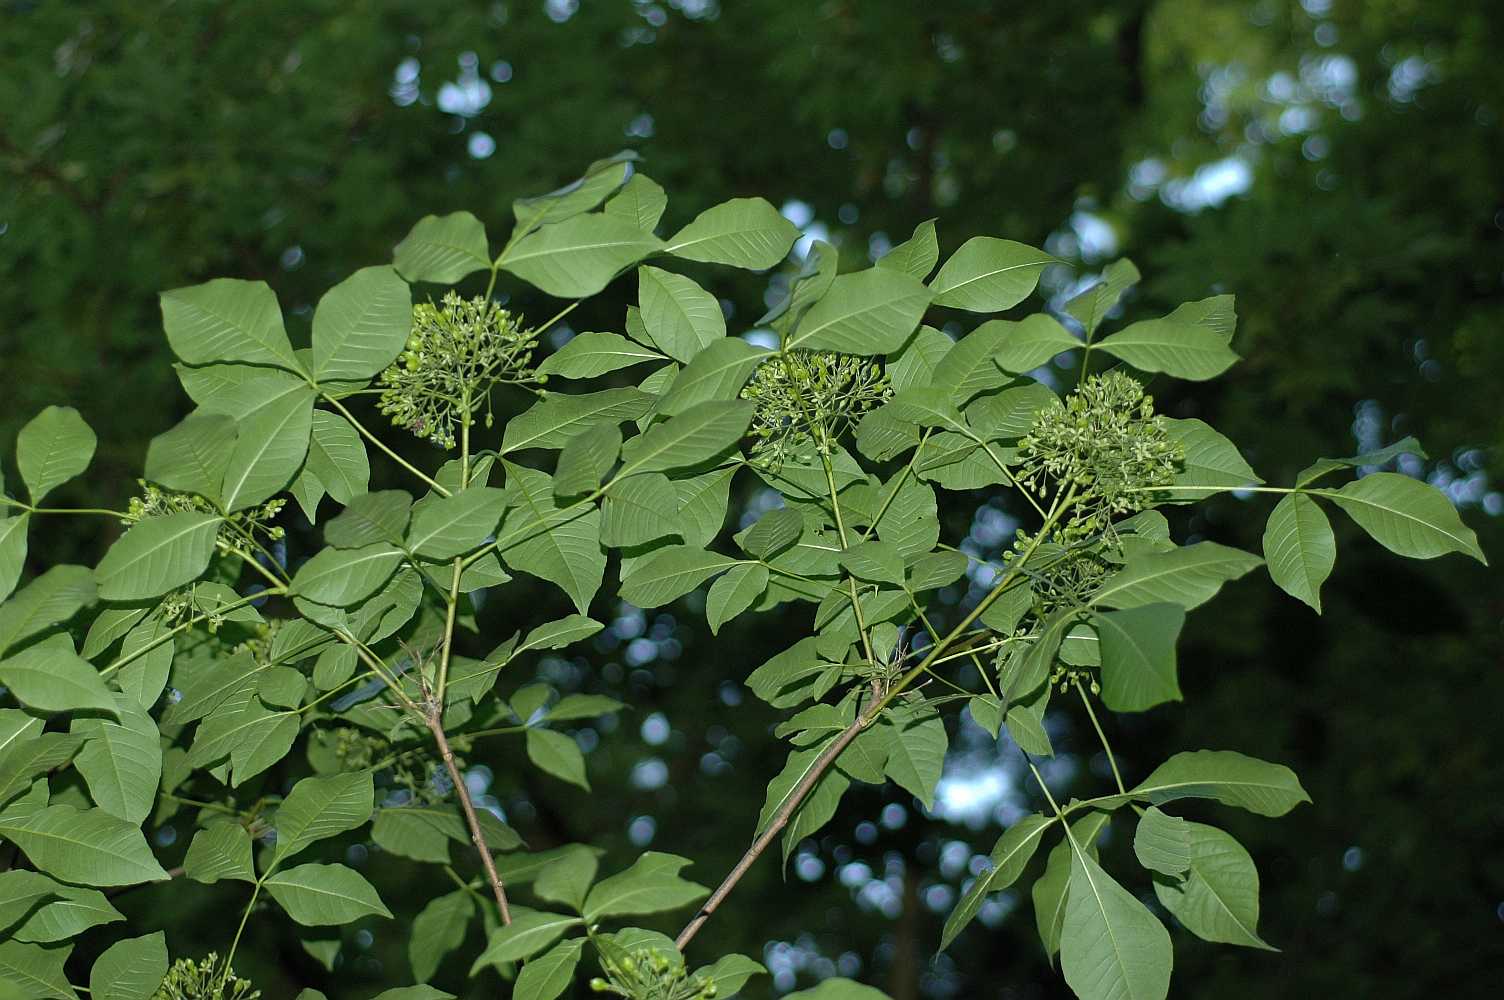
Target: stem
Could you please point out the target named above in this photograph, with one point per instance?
(224, 976)
(1116, 775)
(780, 820)
(865, 719)
(453, 603)
(195, 620)
(29, 509)
(476, 836)
(345, 412)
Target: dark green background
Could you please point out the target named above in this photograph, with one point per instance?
(146, 145)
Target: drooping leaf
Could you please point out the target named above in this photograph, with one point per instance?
(640, 201)
(1091, 306)
(989, 275)
(35, 972)
(319, 895)
(157, 555)
(1299, 548)
(715, 373)
(1138, 655)
(444, 527)
(1230, 778)
(271, 447)
(191, 458)
(1010, 855)
(1323, 466)
(122, 763)
(443, 249)
(697, 435)
(916, 755)
(864, 312)
(917, 255)
(590, 354)
(342, 577)
(1211, 462)
(53, 447)
(318, 808)
(734, 593)
(218, 851)
(1111, 946)
(51, 598)
(554, 422)
(586, 459)
(530, 932)
(130, 970)
(47, 911)
(559, 755)
(371, 517)
(553, 541)
(1162, 843)
(360, 324)
(86, 847)
(579, 256)
(227, 320)
(567, 878)
(546, 976)
(49, 677)
(1029, 343)
(337, 458)
(1175, 344)
(1218, 900)
(12, 552)
(651, 885)
(437, 930)
(742, 232)
(639, 509)
(1406, 516)
(1188, 576)
(680, 317)
(671, 572)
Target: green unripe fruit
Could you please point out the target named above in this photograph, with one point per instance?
(599, 985)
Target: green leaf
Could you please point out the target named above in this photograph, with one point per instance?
(838, 989)
(567, 878)
(1050, 889)
(917, 255)
(320, 895)
(121, 763)
(1162, 843)
(529, 933)
(969, 367)
(590, 354)
(554, 421)
(220, 851)
(651, 885)
(418, 832)
(586, 459)
(578, 257)
(1210, 461)
(1111, 946)
(50, 599)
(672, 572)
(54, 447)
(638, 510)
(1219, 898)
(989, 275)
(86, 847)
(159, 554)
(443, 249)
(342, 577)
(558, 543)
(559, 755)
(337, 457)
(1010, 855)
(1406, 516)
(1091, 306)
(371, 517)
(717, 372)
(874, 561)
(773, 532)
(1299, 548)
(680, 317)
(734, 593)
(49, 677)
(546, 976)
(730, 973)
(130, 970)
(916, 755)
(437, 930)
(917, 360)
(12, 552)
(227, 320)
(1175, 344)
(272, 445)
(444, 527)
(911, 524)
(413, 993)
(1138, 655)
(51, 910)
(581, 706)
(742, 232)
(558, 634)
(1031, 342)
(864, 312)
(319, 808)
(1230, 778)
(698, 435)
(36, 970)
(703, 500)
(641, 201)
(580, 195)
(1010, 413)
(361, 324)
(1189, 576)
(191, 458)
(1322, 466)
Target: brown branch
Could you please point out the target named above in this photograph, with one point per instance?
(436, 727)
(780, 820)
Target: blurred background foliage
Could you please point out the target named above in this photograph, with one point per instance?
(1336, 163)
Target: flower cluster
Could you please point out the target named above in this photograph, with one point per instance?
(456, 352)
(1106, 443)
(203, 980)
(809, 398)
(155, 501)
(651, 974)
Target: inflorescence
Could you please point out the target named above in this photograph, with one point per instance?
(457, 351)
(808, 399)
(203, 980)
(652, 974)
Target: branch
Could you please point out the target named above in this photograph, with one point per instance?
(476, 836)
